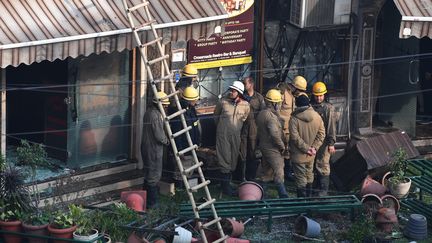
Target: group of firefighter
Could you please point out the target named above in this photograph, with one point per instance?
(281, 136)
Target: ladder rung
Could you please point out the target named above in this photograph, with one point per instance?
(206, 204)
(159, 59)
(142, 26)
(181, 132)
(169, 76)
(214, 221)
(193, 167)
(138, 6)
(175, 114)
(199, 186)
(171, 95)
(221, 239)
(151, 42)
(188, 149)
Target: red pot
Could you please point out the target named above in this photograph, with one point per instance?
(61, 233)
(250, 190)
(36, 230)
(236, 240)
(390, 201)
(135, 200)
(14, 226)
(372, 203)
(232, 227)
(371, 186)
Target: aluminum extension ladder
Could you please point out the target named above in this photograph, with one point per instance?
(185, 131)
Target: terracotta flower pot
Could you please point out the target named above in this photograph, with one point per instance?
(371, 186)
(386, 219)
(385, 178)
(400, 190)
(250, 190)
(135, 200)
(134, 238)
(61, 233)
(389, 201)
(232, 227)
(14, 226)
(371, 204)
(36, 230)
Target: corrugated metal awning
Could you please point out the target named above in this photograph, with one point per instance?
(33, 31)
(416, 18)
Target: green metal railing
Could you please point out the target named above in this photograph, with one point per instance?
(273, 207)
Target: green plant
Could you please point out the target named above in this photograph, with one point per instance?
(81, 219)
(111, 221)
(10, 211)
(363, 228)
(32, 155)
(13, 192)
(398, 166)
(38, 216)
(62, 220)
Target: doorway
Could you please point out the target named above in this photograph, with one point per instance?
(35, 109)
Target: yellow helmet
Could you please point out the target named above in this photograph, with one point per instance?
(319, 88)
(274, 95)
(300, 83)
(190, 93)
(159, 95)
(189, 71)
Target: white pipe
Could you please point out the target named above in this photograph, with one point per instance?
(108, 33)
(417, 18)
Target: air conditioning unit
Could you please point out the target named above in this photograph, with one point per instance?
(319, 13)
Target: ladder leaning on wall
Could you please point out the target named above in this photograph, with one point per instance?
(144, 10)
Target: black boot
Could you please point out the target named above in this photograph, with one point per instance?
(281, 190)
(289, 176)
(301, 192)
(264, 187)
(324, 182)
(309, 190)
(226, 184)
(152, 196)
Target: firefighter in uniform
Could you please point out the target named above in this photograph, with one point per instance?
(230, 113)
(188, 101)
(287, 107)
(154, 140)
(298, 86)
(249, 130)
(270, 137)
(307, 134)
(189, 77)
(322, 160)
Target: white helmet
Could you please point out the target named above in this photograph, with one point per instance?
(237, 85)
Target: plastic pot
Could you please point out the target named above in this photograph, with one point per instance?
(400, 190)
(250, 190)
(417, 227)
(307, 227)
(93, 235)
(184, 235)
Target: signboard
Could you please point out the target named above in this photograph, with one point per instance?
(234, 47)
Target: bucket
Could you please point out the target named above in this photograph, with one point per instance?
(417, 227)
(307, 227)
(184, 235)
(250, 190)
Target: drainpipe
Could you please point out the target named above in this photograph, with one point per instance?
(261, 46)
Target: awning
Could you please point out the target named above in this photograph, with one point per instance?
(34, 31)
(416, 18)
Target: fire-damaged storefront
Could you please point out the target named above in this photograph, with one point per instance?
(72, 81)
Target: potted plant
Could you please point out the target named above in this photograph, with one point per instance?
(62, 226)
(85, 230)
(399, 184)
(36, 223)
(14, 200)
